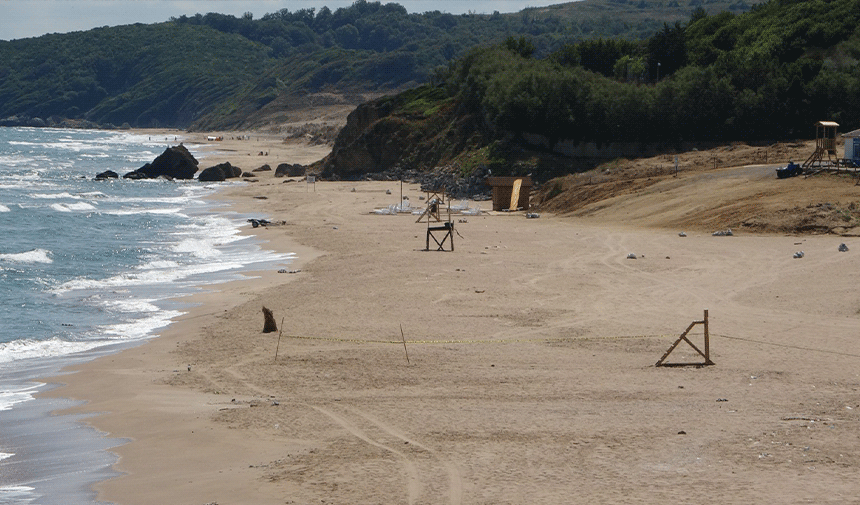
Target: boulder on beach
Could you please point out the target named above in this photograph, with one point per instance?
(220, 172)
(264, 168)
(288, 170)
(175, 162)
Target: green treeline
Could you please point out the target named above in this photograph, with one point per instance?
(766, 74)
(216, 70)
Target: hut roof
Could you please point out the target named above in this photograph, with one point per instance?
(854, 134)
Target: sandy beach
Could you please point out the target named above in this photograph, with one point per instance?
(531, 348)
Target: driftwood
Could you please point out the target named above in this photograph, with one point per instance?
(270, 325)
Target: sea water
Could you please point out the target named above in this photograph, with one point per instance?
(87, 267)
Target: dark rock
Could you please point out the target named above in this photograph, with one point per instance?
(108, 174)
(247, 175)
(288, 170)
(212, 174)
(264, 168)
(220, 172)
(135, 175)
(37, 122)
(175, 162)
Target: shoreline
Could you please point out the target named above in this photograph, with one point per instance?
(531, 371)
(59, 390)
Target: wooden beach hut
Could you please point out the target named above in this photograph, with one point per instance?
(510, 193)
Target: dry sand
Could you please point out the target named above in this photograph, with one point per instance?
(531, 376)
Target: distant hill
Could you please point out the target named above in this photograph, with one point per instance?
(218, 71)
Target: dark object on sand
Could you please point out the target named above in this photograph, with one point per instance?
(219, 173)
(270, 325)
(790, 170)
(288, 170)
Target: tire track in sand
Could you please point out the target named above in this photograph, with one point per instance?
(416, 484)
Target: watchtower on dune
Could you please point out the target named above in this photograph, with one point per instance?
(825, 146)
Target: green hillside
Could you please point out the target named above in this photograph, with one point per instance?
(764, 75)
(219, 71)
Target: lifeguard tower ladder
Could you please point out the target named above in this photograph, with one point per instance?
(436, 203)
(825, 147)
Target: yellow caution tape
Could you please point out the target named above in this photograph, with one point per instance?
(461, 341)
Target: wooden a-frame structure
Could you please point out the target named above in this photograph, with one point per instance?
(706, 354)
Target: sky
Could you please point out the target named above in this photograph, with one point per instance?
(31, 18)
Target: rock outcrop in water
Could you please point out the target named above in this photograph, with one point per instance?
(175, 162)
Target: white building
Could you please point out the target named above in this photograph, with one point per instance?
(852, 146)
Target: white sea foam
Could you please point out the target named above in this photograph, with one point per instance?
(132, 305)
(13, 490)
(158, 264)
(34, 256)
(146, 277)
(4, 455)
(15, 160)
(71, 207)
(141, 328)
(10, 397)
(3, 208)
(93, 194)
(27, 348)
(54, 196)
(133, 212)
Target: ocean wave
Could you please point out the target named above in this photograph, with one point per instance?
(15, 160)
(71, 207)
(133, 212)
(158, 264)
(10, 397)
(34, 256)
(54, 196)
(141, 328)
(131, 305)
(151, 277)
(3, 208)
(28, 348)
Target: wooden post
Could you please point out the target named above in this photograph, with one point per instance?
(404, 344)
(279, 339)
(707, 340)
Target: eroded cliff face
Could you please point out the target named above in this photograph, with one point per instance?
(380, 137)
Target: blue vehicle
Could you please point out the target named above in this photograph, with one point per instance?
(790, 170)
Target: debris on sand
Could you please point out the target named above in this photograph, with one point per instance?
(682, 234)
(723, 233)
(798, 255)
(843, 247)
(269, 324)
(631, 256)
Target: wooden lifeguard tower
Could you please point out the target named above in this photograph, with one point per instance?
(825, 147)
(436, 203)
